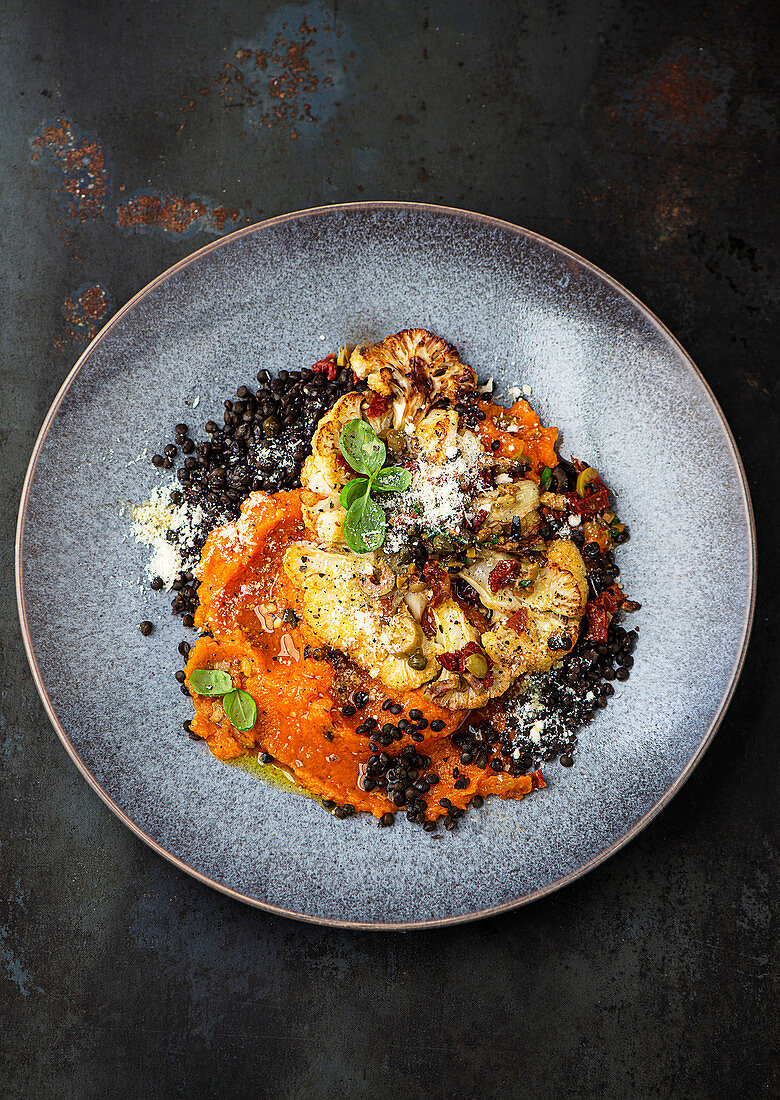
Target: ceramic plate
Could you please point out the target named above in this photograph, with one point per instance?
(279, 295)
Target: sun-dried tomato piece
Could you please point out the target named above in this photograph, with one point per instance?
(596, 497)
(503, 573)
(439, 581)
(326, 366)
(518, 621)
(465, 596)
(599, 612)
(377, 406)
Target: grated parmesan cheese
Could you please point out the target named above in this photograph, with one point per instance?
(170, 531)
(440, 496)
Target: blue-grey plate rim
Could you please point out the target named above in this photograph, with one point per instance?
(461, 918)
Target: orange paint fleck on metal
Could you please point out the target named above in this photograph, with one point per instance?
(84, 313)
(172, 214)
(81, 165)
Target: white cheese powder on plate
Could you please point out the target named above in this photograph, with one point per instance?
(151, 522)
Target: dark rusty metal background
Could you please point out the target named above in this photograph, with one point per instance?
(643, 136)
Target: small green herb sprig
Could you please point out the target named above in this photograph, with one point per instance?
(238, 705)
(365, 523)
(545, 478)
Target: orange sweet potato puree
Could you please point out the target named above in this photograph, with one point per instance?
(299, 699)
(532, 441)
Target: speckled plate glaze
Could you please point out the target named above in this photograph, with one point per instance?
(280, 294)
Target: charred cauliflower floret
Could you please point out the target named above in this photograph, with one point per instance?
(325, 470)
(562, 585)
(510, 597)
(436, 436)
(454, 690)
(515, 499)
(462, 689)
(414, 368)
(332, 589)
(324, 519)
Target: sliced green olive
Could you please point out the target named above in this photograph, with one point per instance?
(418, 662)
(442, 545)
(477, 666)
(412, 647)
(584, 479)
(343, 356)
(396, 441)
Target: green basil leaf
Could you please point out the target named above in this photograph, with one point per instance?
(208, 681)
(364, 525)
(352, 491)
(546, 478)
(362, 448)
(240, 708)
(393, 479)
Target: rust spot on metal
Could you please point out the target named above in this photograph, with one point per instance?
(277, 85)
(684, 96)
(173, 214)
(80, 164)
(84, 312)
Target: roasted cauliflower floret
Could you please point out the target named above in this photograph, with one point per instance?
(453, 630)
(523, 649)
(436, 436)
(453, 691)
(414, 368)
(511, 650)
(507, 599)
(458, 690)
(325, 470)
(332, 598)
(324, 519)
(562, 585)
(502, 504)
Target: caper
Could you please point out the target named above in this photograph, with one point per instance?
(396, 441)
(418, 662)
(271, 426)
(399, 559)
(477, 666)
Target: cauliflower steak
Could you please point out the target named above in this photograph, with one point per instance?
(464, 597)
